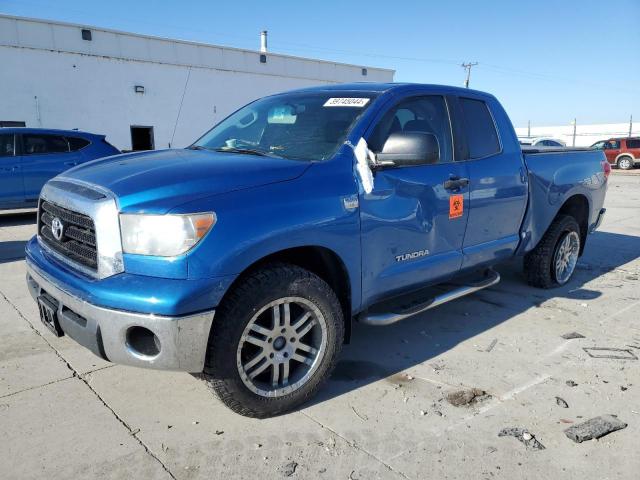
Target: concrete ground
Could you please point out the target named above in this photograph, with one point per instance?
(67, 414)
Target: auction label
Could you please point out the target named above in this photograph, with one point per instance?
(346, 102)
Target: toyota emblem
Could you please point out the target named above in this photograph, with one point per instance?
(57, 228)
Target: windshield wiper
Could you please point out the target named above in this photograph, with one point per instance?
(248, 151)
(198, 147)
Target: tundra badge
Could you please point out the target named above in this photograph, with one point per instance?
(412, 255)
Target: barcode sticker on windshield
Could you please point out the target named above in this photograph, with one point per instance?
(346, 102)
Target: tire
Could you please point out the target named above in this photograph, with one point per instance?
(625, 163)
(244, 331)
(540, 264)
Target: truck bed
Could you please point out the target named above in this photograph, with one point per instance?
(556, 175)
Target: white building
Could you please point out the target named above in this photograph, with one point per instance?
(160, 92)
(586, 135)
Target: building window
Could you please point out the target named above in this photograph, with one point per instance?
(263, 58)
(86, 34)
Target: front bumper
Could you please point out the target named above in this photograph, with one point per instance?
(180, 341)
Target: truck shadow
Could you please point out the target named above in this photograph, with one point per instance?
(376, 353)
(12, 250)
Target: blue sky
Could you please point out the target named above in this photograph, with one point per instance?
(547, 61)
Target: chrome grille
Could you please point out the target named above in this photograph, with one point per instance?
(78, 240)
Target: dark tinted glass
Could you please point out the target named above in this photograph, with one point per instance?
(6, 145)
(426, 114)
(38, 144)
(635, 143)
(481, 131)
(76, 143)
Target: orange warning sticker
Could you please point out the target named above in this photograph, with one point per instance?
(456, 206)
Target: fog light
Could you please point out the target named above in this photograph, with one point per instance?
(142, 341)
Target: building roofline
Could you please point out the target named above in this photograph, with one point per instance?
(186, 42)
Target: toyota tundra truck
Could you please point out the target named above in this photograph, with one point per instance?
(245, 258)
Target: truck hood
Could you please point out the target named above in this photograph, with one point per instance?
(156, 182)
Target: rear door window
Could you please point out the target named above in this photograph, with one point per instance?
(7, 145)
(635, 143)
(481, 132)
(76, 143)
(41, 144)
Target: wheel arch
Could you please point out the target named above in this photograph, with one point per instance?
(319, 260)
(578, 207)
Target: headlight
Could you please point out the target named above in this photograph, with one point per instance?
(163, 235)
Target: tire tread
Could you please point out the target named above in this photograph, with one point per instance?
(225, 388)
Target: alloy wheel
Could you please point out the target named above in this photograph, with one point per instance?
(282, 346)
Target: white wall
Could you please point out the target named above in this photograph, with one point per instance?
(586, 135)
(51, 78)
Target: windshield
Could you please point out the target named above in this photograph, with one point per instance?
(306, 126)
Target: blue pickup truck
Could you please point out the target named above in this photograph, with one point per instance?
(31, 156)
(246, 257)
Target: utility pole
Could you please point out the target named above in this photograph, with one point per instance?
(630, 125)
(528, 128)
(574, 131)
(467, 67)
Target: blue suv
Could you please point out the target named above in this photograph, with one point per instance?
(29, 157)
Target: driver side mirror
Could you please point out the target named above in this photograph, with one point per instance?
(404, 149)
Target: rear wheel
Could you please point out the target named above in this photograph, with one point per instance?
(553, 261)
(274, 342)
(625, 163)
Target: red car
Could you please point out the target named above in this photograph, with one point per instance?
(621, 152)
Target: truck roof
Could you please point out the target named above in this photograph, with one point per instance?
(373, 87)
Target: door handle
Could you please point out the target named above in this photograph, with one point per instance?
(455, 183)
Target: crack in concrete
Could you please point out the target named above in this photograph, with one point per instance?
(133, 433)
(356, 446)
(35, 387)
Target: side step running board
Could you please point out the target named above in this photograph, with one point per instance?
(387, 318)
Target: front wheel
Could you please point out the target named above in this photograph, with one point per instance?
(274, 341)
(553, 261)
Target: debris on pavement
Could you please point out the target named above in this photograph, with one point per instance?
(466, 396)
(572, 335)
(595, 428)
(491, 345)
(289, 469)
(219, 432)
(571, 383)
(611, 353)
(523, 435)
(564, 420)
(561, 402)
(361, 417)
